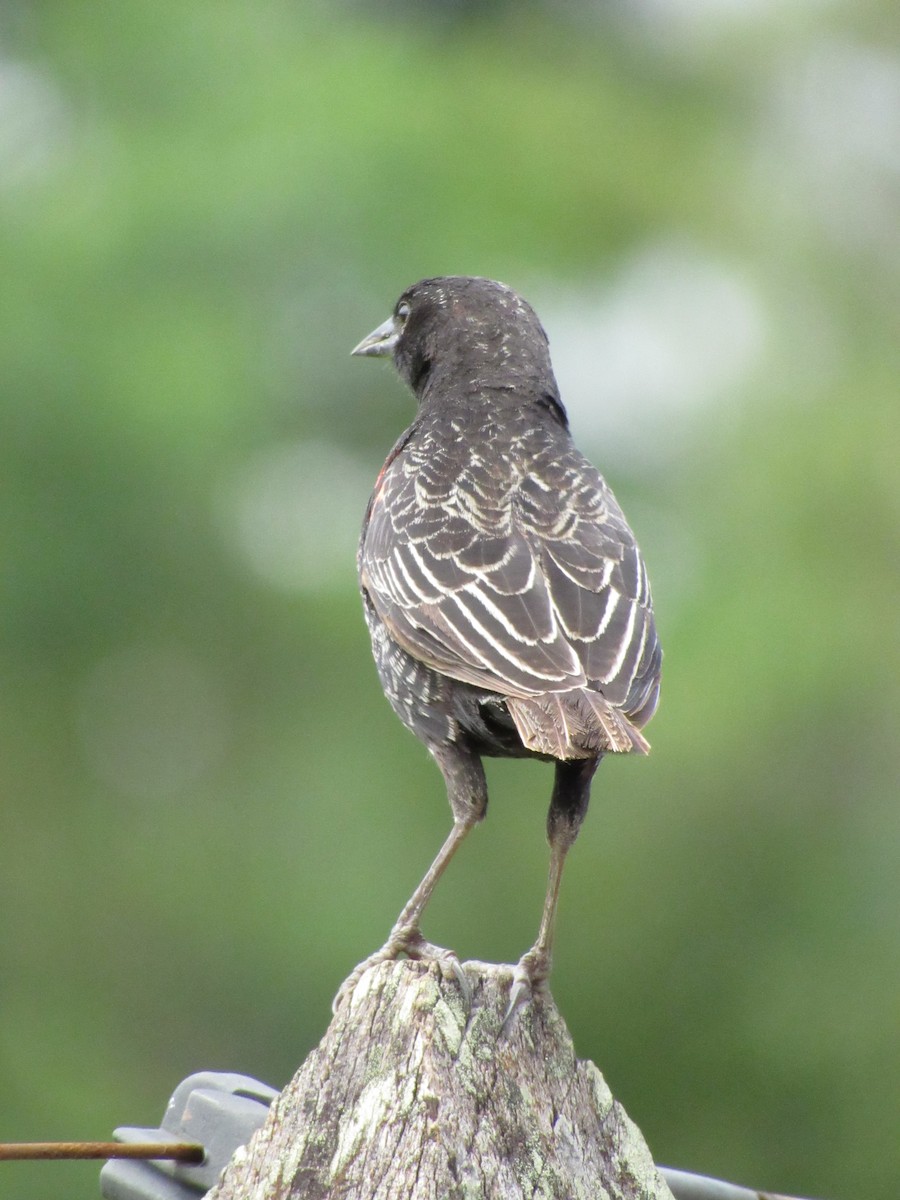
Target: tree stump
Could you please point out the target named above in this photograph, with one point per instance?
(410, 1097)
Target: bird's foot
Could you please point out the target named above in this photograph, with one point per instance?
(529, 979)
(408, 940)
(422, 951)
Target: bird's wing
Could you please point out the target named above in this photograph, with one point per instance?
(523, 585)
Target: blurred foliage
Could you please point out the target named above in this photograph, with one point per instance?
(209, 813)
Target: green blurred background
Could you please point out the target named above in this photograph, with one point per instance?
(209, 813)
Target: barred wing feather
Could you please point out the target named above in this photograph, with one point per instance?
(530, 588)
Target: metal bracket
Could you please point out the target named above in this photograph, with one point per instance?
(218, 1110)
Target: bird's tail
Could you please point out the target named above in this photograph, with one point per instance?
(576, 724)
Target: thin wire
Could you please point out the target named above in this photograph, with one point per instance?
(185, 1152)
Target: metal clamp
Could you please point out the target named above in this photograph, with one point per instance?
(218, 1110)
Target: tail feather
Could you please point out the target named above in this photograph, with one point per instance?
(576, 724)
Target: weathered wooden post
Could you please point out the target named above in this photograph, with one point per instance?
(410, 1097)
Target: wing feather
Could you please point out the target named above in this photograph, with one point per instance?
(529, 585)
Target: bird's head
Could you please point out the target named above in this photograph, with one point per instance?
(477, 332)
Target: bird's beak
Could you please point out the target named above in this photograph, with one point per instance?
(381, 341)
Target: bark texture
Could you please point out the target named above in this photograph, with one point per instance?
(409, 1097)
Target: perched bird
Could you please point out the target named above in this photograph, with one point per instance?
(505, 595)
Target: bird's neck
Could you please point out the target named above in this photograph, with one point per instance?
(474, 408)
(489, 383)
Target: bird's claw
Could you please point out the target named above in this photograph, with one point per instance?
(416, 947)
(400, 942)
(464, 986)
(349, 985)
(529, 978)
(518, 993)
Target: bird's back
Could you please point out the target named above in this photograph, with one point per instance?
(494, 554)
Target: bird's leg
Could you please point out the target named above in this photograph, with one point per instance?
(406, 934)
(568, 806)
(467, 793)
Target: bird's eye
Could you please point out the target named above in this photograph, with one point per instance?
(402, 311)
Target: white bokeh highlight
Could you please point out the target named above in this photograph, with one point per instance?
(292, 513)
(671, 333)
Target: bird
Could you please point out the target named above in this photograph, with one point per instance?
(506, 599)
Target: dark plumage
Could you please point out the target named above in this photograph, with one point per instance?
(505, 595)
